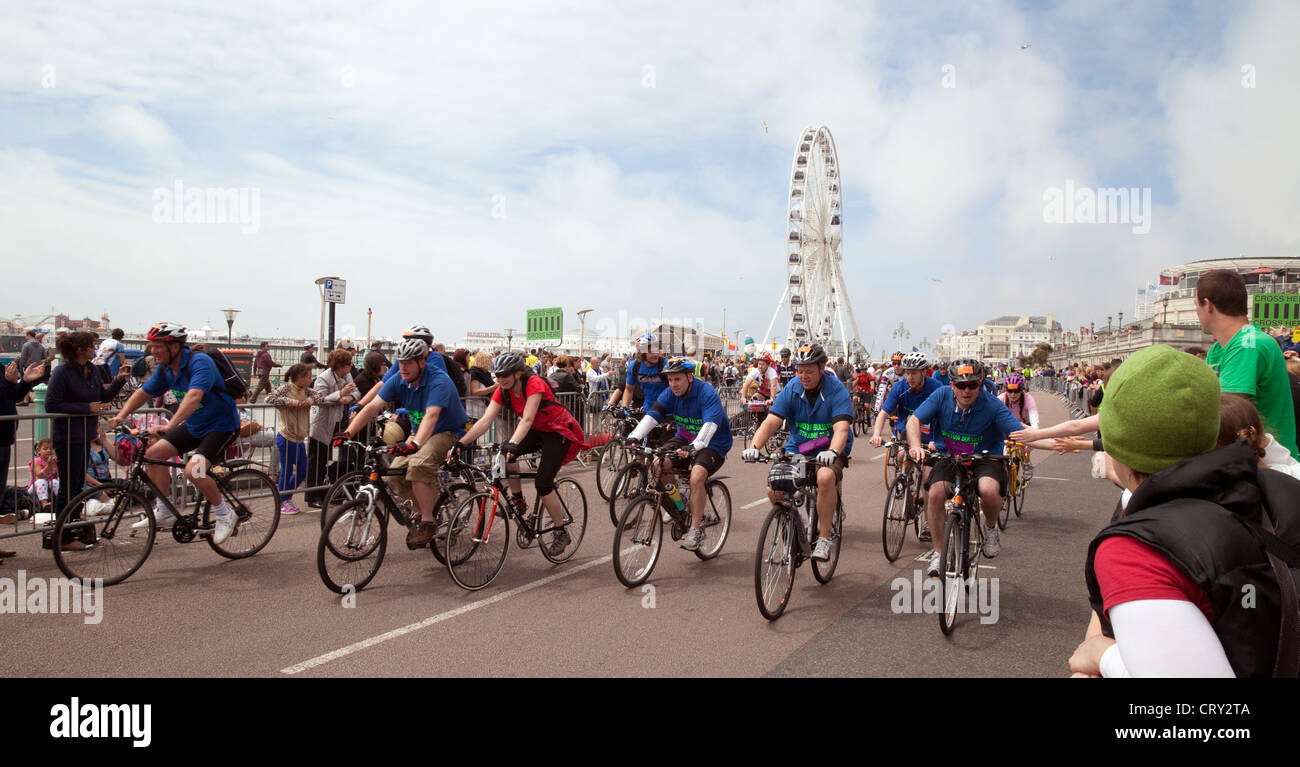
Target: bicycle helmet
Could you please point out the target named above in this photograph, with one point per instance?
(412, 349)
(128, 445)
(785, 351)
(764, 357)
(785, 477)
(967, 370)
(1014, 382)
(680, 365)
(167, 331)
(643, 342)
(915, 361)
(420, 332)
(895, 358)
(809, 355)
(508, 363)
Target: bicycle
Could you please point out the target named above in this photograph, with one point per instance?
(960, 556)
(478, 535)
(862, 414)
(783, 544)
(354, 538)
(1019, 472)
(904, 504)
(618, 423)
(638, 536)
(251, 495)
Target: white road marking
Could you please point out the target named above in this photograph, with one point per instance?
(882, 455)
(321, 660)
(752, 504)
(1054, 479)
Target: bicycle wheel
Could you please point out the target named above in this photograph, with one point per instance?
(952, 571)
(443, 509)
(478, 537)
(823, 571)
(351, 546)
(638, 539)
(774, 563)
(1004, 514)
(114, 550)
(1018, 500)
(893, 528)
(574, 504)
(253, 497)
(342, 491)
(893, 461)
(717, 520)
(630, 483)
(612, 460)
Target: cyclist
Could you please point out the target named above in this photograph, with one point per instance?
(205, 422)
(890, 376)
(1019, 401)
(941, 373)
(437, 419)
(543, 425)
(902, 400)
(785, 369)
(703, 431)
(864, 386)
(964, 420)
(432, 359)
(763, 381)
(645, 375)
(819, 410)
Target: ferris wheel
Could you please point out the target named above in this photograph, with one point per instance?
(814, 291)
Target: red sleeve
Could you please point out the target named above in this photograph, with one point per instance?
(1129, 570)
(496, 396)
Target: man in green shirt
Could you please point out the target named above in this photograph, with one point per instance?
(1245, 358)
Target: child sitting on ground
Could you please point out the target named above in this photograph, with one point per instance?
(44, 468)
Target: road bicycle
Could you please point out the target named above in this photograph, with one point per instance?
(862, 414)
(638, 536)
(904, 503)
(478, 534)
(963, 536)
(94, 535)
(788, 533)
(1019, 472)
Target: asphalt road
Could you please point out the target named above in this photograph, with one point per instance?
(188, 612)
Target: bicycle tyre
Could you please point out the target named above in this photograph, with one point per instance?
(774, 563)
(952, 567)
(351, 546)
(574, 503)
(823, 571)
(892, 464)
(115, 539)
(1018, 501)
(1004, 513)
(717, 520)
(630, 483)
(893, 527)
(443, 508)
(253, 496)
(612, 460)
(638, 541)
(344, 490)
(478, 537)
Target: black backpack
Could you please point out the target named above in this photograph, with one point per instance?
(231, 381)
(455, 373)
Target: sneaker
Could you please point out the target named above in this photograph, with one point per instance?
(223, 526)
(693, 539)
(163, 516)
(935, 565)
(559, 542)
(822, 549)
(288, 509)
(992, 546)
(96, 508)
(419, 537)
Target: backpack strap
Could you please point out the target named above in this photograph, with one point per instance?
(1282, 557)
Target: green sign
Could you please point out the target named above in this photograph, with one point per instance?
(1269, 310)
(545, 324)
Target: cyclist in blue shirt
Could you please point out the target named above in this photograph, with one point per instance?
(433, 360)
(703, 430)
(941, 374)
(206, 422)
(903, 399)
(819, 412)
(966, 420)
(646, 373)
(438, 419)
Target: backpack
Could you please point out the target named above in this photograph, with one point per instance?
(232, 383)
(455, 373)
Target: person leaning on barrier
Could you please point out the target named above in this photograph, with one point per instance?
(339, 391)
(13, 387)
(1166, 579)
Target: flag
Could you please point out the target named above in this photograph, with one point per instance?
(1168, 279)
(1141, 292)
(915, 349)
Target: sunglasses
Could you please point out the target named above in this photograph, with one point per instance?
(967, 385)
(501, 376)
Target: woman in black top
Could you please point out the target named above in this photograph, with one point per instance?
(77, 389)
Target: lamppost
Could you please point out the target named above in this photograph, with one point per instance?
(230, 325)
(582, 335)
(899, 334)
(510, 336)
(1121, 322)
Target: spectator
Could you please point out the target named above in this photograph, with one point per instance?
(337, 392)
(12, 389)
(1166, 577)
(1238, 419)
(372, 372)
(461, 358)
(111, 355)
(292, 400)
(377, 350)
(598, 376)
(1246, 360)
(77, 389)
(98, 471)
(32, 352)
(262, 365)
(561, 379)
(43, 474)
(309, 358)
(481, 385)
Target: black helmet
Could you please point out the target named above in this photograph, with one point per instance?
(966, 369)
(785, 351)
(680, 365)
(507, 363)
(809, 355)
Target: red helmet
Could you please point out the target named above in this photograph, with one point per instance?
(167, 331)
(764, 357)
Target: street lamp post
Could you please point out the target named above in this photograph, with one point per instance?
(510, 336)
(230, 325)
(582, 335)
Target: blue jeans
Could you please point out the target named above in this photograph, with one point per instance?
(293, 465)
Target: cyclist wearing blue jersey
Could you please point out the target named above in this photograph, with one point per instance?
(819, 411)
(905, 397)
(645, 374)
(941, 374)
(703, 430)
(438, 418)
(206, 422)
(966, 420)
(432, 359)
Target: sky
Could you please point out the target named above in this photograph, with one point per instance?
(459, 163)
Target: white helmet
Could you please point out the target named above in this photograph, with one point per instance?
(915, 361)
(419, 331)
(412, 349)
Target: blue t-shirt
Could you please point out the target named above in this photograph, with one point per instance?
(216, 411)
(652, 381)
(700, 404)
(815, 419)
(941, 378)
(902, 398)
(990, 387)
(983, 427)
(434, 360)
(434, 389)
(115, 364)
